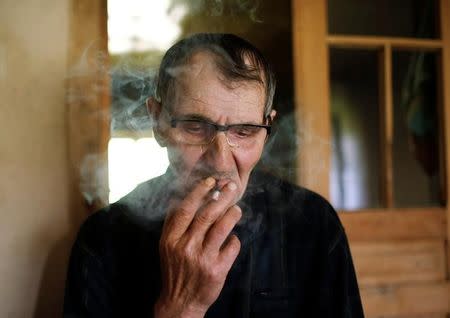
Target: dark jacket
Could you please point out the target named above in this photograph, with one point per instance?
(294, 260)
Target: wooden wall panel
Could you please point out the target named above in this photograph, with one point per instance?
(400, 224)
(399, 262)
(405, 300)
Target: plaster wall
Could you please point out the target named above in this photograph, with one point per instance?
(36, 229)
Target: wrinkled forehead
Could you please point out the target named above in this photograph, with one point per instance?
(200, 86)
(192, 67)
(203, 63)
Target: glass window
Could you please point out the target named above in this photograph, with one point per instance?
(400, 18)
(355, 165)
(139, 32)
(416, 150)
(131, 162)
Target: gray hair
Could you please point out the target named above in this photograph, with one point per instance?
(231, 55)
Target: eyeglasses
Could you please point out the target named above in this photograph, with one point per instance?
(201, 132)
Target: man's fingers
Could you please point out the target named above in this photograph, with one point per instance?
(211, 212)
(219, 232)
(181, 217)
(230, 251)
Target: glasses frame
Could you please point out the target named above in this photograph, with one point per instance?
(221, 128)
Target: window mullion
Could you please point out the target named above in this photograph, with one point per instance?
(387, 128)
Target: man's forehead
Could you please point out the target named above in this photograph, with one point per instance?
(215, 98)
(200, 87)
(198, 63)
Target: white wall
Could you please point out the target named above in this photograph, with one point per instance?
(36, 227)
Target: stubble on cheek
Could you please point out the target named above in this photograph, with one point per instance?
(182, 162)
(189, 168)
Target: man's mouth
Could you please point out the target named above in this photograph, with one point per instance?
(220, 183)
(197, 176)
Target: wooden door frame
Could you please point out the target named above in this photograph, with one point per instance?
(311, 93)
(445, 61)
(87, 104)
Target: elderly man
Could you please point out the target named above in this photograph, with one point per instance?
(212, 237)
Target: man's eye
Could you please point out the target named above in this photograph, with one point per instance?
(245, 131)
(194, 128)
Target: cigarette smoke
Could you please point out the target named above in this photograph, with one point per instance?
(131, 86)
(130, 89)
(127, 88)
(132, 82)
(216, 8)
(82, 101)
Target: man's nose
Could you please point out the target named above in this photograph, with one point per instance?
(219, 153)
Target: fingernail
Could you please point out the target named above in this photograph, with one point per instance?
(232, 186)
(210, 181)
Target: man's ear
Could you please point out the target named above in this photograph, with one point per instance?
(272, 115)
(154, 112)
(153, 108)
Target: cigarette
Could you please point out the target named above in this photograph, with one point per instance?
(215, 195)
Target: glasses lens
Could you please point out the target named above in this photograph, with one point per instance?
(195, 132)
(243, 134)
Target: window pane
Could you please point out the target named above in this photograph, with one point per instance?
(139, 32)
(416, 130)
(402, 18)
(355, 129)
(132, 162)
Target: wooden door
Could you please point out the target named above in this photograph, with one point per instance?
(400, 250)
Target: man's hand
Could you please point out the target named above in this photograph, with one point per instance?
(197, 251)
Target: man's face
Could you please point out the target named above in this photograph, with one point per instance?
(200, 93)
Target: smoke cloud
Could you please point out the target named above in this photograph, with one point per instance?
(129, 88)
(86, 84)
(215, 8)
